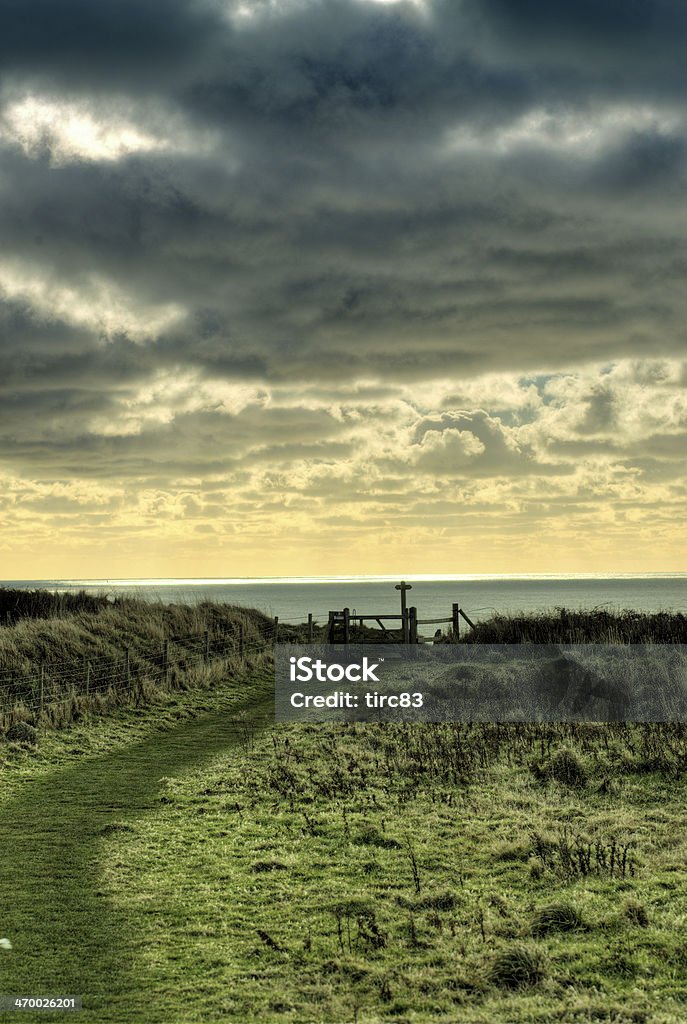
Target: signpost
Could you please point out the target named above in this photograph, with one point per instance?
(403, 587)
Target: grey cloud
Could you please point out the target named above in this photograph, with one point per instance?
(333, 226)
(597, 40)
(496, 452)
(657, 455)
(330, 62)
(47, 433)
(645, 161)
(85, 43)
(600, 413)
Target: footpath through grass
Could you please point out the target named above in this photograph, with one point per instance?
(60, 810)
(171, 865)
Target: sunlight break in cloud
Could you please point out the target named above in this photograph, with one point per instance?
(95, 303)
(584, 133)
(71, 132)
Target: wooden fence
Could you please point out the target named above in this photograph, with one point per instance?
(349, 627)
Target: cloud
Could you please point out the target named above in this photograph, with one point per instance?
(356, 248)
(69, 133)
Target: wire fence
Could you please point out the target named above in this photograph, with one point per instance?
(51, 683)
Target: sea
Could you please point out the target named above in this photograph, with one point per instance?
(481, 596)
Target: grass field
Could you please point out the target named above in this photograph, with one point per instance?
(63, 807)
(176, 863)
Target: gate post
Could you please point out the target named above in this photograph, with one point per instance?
(456, 621)
(412, 612)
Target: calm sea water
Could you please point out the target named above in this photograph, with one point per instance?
(480, 596)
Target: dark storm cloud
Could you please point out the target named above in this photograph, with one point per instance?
(342, 56)
(336, 190)
(629, 28)
(80, 42)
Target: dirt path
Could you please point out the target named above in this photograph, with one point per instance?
(67, 937)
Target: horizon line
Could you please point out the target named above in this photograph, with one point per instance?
(174, 581)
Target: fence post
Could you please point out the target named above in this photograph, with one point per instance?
(347, 625)
(241, 641)
(412, 613)
(467, 618)
(42, 690)
(206, 647)
(165, 660)
(405, 625)
(276, 629)
(456, 621)
(310, 628)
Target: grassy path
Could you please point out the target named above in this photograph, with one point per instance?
(67, 936)
(169, 871)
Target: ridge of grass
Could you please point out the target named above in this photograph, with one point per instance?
(581, 626)
(79, 653)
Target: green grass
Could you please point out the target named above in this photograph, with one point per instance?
(580, 626)
(178, 869)
(80, 649)
(173, 863)
(363, 873)
(63, 808)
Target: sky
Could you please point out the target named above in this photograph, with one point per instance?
(301, 287)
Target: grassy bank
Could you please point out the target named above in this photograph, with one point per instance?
(568, 626)
(60, 659)
(58, 633)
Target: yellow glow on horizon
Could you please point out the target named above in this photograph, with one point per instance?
(174, 562)
(187, 476)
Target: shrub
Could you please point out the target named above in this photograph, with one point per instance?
(22, 732)
(373, 837)
(558, 917)
(636, 913)
(517, 967)
(40, 604)
(564, 767)
(568, 626)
